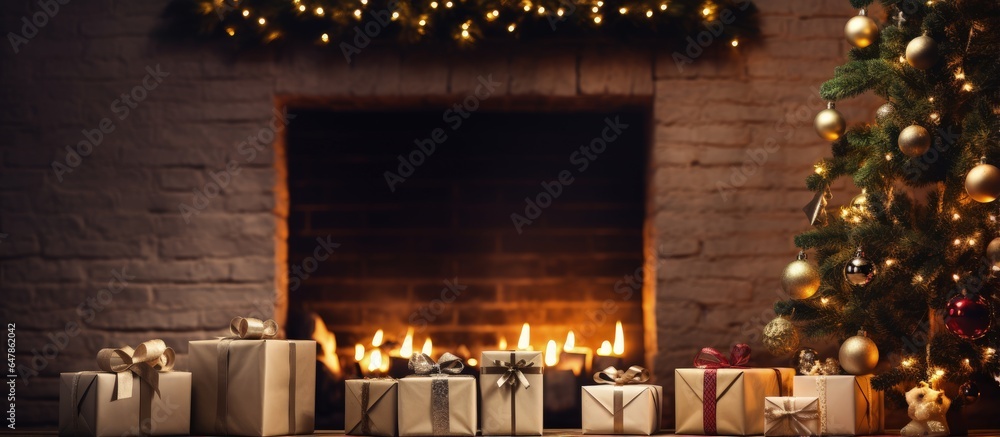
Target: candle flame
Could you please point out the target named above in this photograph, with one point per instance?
(473, 362)
(406, 350)
(359, 352)
(428, 347)
(551, 354)
(619, 347)
(524, 341)
(502, 344)
(328, 342)
(605, 349)
(377, 339)
(375, 361)
(570, 341)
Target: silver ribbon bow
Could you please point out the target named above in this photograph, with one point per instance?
(787, 417)
(422, 364)
(249, 328)
(514, 373)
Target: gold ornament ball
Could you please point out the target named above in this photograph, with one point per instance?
(830, 124)
(861, 31)
(800, 279)
(858, 355)
(914, 141)
(780, 337)
(983, 183)
(993, 252)
(922, 52)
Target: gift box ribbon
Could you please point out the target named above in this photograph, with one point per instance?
(366, 422)
(248, 328)
(634, 375)
(711, 360)
(448, 365)
(787, 419)
(512, 373)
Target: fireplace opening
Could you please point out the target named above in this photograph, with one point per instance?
(441, 231)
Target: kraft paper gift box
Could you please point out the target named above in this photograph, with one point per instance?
(512, 390)
(253, 386)
(136, 394)
(848, 405)
(622, 404)
(437, 401)
(371, 407)
(720, 397)
(791, 416)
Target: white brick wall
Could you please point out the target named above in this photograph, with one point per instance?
(716, 261)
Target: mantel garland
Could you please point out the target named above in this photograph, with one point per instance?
(691, 26)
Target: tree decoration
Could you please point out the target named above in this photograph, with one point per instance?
(969, 392)
(859, 354)
(780, 337)
(861, 31)
(914, 141)
(830, 123)
(927, 409)
(983, 183)
(800, 279)
(993, 252)
(922, 52)
(884, 112)
(349, 26)
(804, 358)
(968, 317)
(859, 271)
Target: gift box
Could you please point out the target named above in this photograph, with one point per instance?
(513, 391)
(622, 404)
(371, 407)
(791, 416)
(848, 405)
(130, 397)
(437, 400)
(721, 397)
(250, 385)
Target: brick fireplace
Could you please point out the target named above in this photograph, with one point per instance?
(710, 262)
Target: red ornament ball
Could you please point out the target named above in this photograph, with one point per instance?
(969, 317)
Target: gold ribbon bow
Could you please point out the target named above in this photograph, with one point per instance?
(790, 418)
(422, 364)
(249, 328)
(611, 375)
(145, 361)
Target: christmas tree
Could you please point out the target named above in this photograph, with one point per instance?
(911, 260)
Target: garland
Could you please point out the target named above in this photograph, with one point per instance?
(352, 24)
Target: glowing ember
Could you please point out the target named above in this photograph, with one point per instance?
(428, 347)
(551, 354)
(328, 342)
(619, 347)
(377, 339)
(570, 341)
(524, 341)
(605, 349)
(406, 350)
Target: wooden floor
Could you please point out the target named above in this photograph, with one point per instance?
(548, 433)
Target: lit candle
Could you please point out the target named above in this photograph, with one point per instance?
(377, 339)
(428, 348)
(551, 354)
(573, 357)
(524, 341)
(502, 344)
(399, 365)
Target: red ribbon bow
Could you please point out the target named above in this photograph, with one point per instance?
(709, 358)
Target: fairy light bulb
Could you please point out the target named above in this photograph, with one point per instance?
(357, 13)
(246, 12)
(325, 37)
(735, 43)
(595, 9)
(422, 22)
(261, 21)
(319, 11)
(649, 14)
(395, 15)
(560, 12)
(597, 19)
(511, 27)
(434, 5)
(302, 8)
(623, 10)
(888, 157)
(448, 4)
(231, 31)
(541, 10)
(663, 6)
(967, 87)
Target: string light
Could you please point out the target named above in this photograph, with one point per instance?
(492, 15)
(395, 15)
(735, 43)
(422, 22)
(597, 19)
(959, 74)
(819, 168)
(541, 10)
(261, 21)
(824, 300)
(357, 13)
(918, 278)
(967, 87)
(302, 8)
(957, 241)
(318, 11)
(231, 31)
(889, 262)
(972, 242)
(246, 12)
(955, 216)
(902, 59)
(663, 6)
(364, 2)
(623, 10)
(600, 3)
(888, 156)
(955, 277)
(527, 7)
(595, 9)
(325, 37)
(908, 362)
(511, 27)
(706, 11)
(935, 116)
(434, 5)
(448, 4)
(560, 12)
(649, 14)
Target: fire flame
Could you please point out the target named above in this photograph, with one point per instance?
(551, 354)
(428, 347)
(524, 341)
(377, 339)
(328, 342)
(502, 344)
(406, 350)
(570, 341)
(375, 361)
(605, 349)
(359, 352)
(619, 347)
